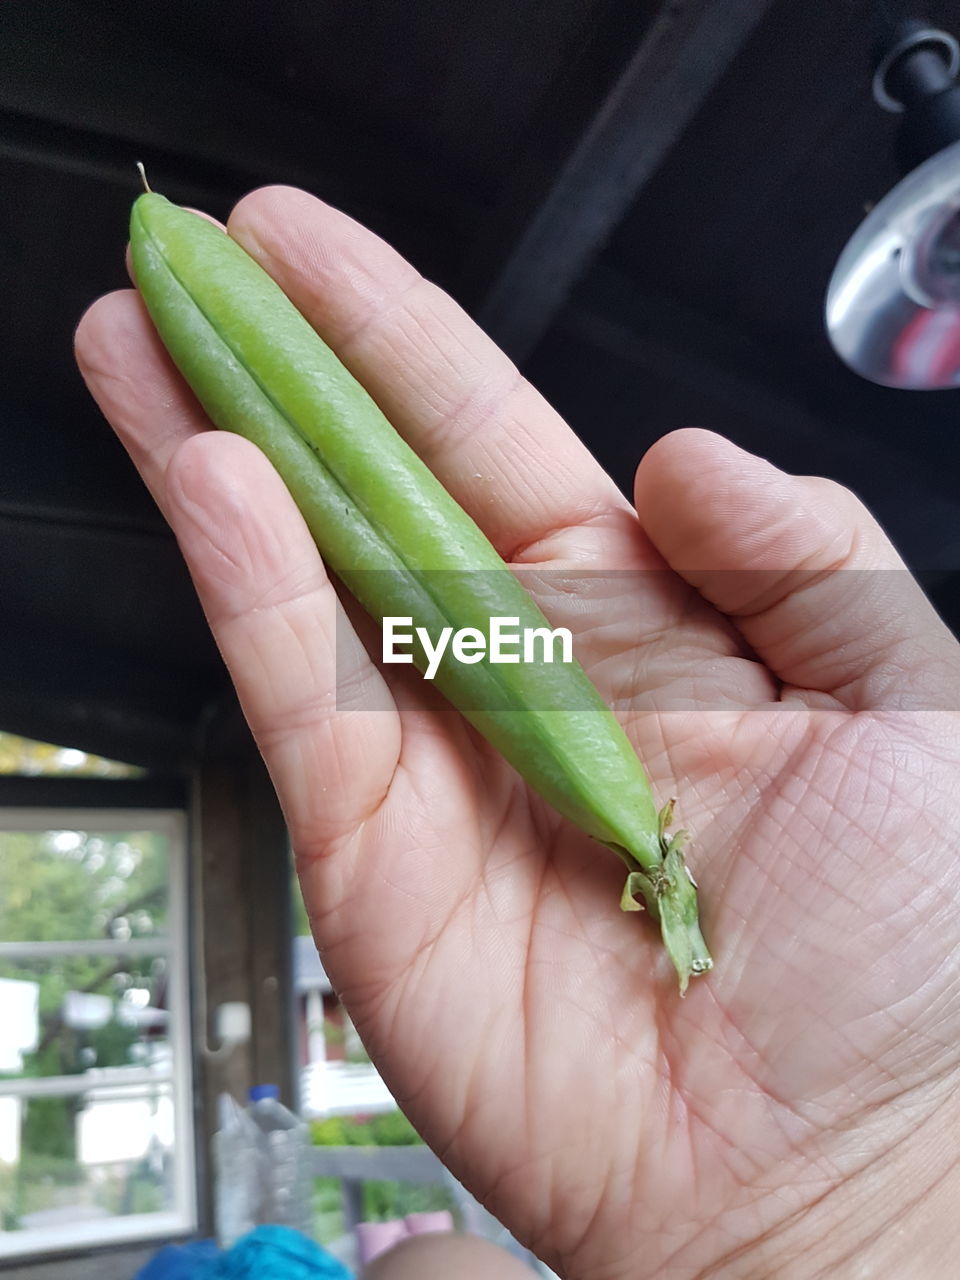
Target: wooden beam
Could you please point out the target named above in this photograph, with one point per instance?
(93, 793)
(117, 1263)
(563, 225)
(242, 942)
(379, 1164)
(55, 689)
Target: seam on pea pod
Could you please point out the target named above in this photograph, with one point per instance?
(500, 682)
(426, 603)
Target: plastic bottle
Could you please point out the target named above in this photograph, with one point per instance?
(282, 1196)
(235, 1186)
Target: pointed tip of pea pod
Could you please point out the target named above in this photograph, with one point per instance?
(146, 204)
(143, 178)
(679, 918)
(668, 890)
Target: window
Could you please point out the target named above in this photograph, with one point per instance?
(95, 1092)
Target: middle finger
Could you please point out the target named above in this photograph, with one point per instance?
(485, 432)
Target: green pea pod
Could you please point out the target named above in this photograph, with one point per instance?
(400, 543)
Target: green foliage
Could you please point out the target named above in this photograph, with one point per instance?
(333, 1131)
(23, 756)
(64, 1050)
(111, 1045)
(8, 1198)
(49, 1129)
(381, 1201)
(334, 1033)
(390, 1129)
(40, 1181)
(62, 886)
(326, 1210)
(393, 1129)
(301, 923)
(54, 1170)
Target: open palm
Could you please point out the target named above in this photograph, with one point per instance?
(777, 670)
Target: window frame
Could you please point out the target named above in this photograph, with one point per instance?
(174, 946)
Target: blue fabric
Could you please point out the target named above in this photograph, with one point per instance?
(195, 1261)
(268, 1253)
(277, 1253)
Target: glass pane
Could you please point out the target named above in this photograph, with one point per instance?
(103, 1154)
(67, 886)
(28, 758)
(65, 1015)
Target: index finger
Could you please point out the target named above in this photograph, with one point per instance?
(490, 438)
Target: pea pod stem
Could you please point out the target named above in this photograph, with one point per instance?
(401, 544)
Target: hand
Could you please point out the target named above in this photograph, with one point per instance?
(778, 670)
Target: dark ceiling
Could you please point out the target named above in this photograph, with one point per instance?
(642, 201)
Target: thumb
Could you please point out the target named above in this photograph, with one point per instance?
(803, 571)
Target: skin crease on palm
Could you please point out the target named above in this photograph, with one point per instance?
(778, 670)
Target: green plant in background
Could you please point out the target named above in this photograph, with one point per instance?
(393, 1129)
(334, 1131)
(381, 1200)
(63, 886)
(301, 922)
(8, 1206)
(67, 885)
(334, 1033)
(49, 1130)
(389, 1129)
(24, 757)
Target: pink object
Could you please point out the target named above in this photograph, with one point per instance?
(374, 1238)
(419, 1224)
